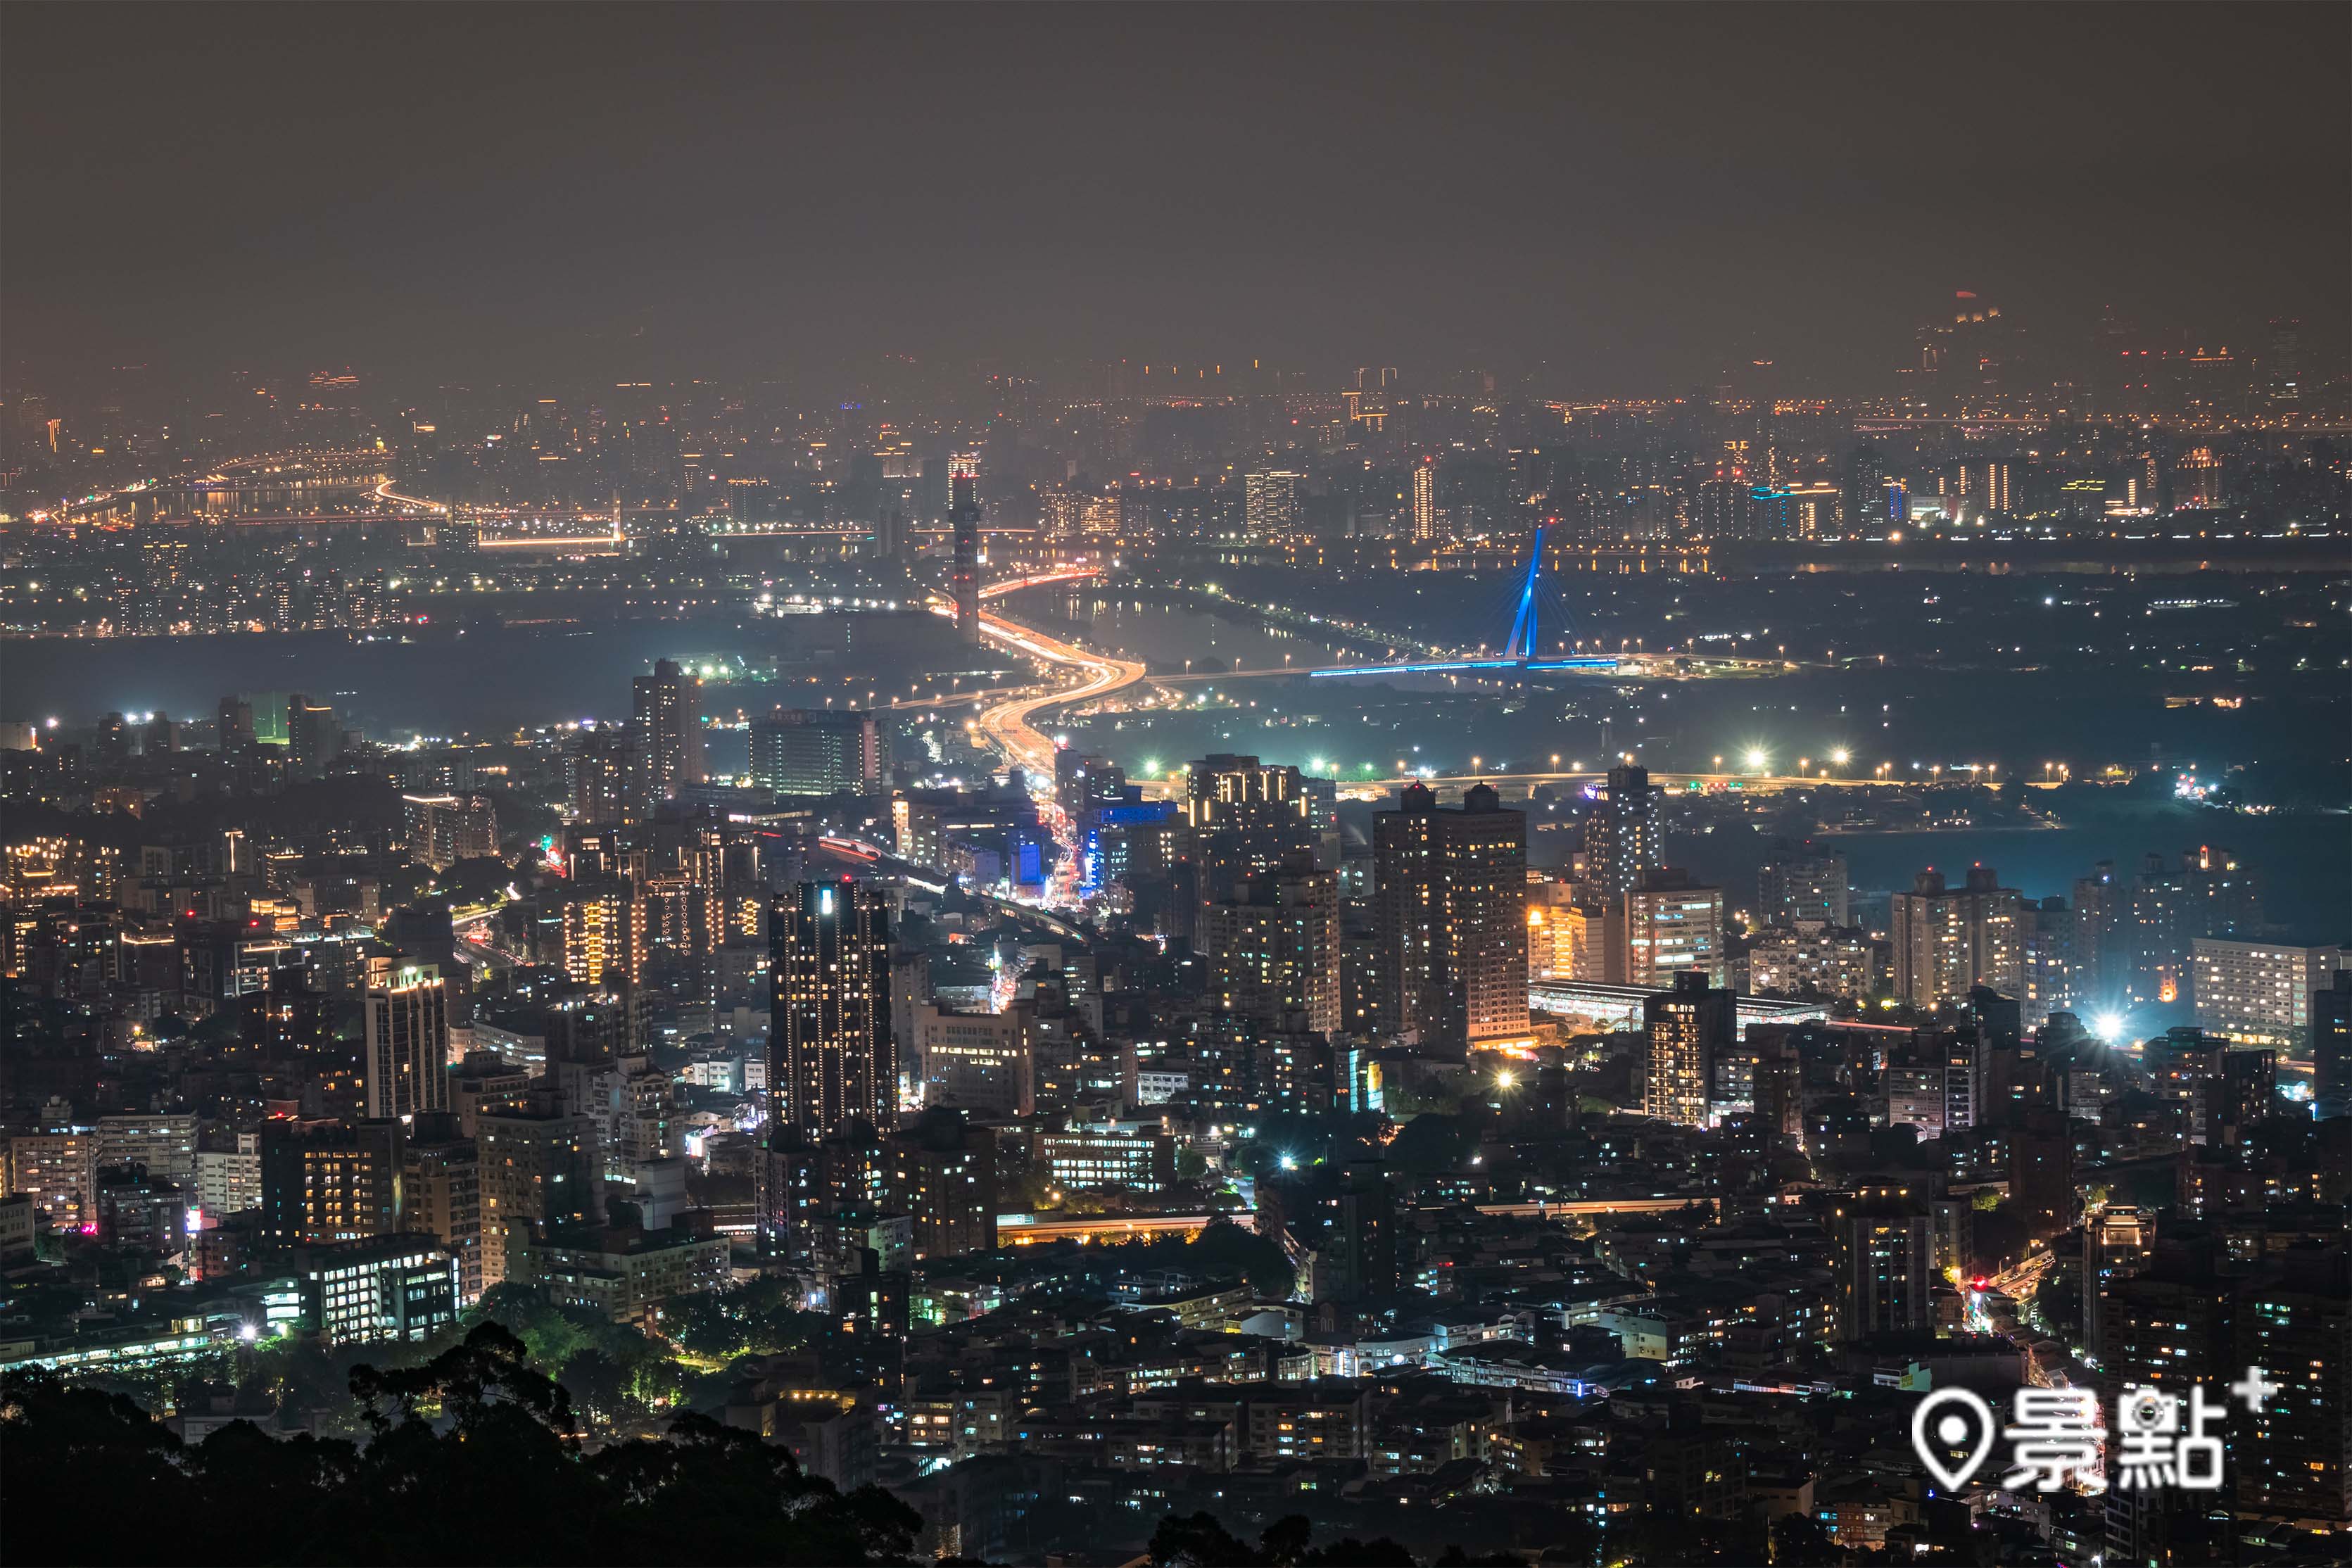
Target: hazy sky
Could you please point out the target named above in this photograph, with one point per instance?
(1631, 193)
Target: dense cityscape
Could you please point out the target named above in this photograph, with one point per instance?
(980, 946)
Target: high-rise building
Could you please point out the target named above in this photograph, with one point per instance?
(982, 1062)
(1887, 1276)
(1270, 503)
(1244, 816)
(1690, 1028)
(831, 1058)
(941, 1174)
(667, 724)
(1360, 1258)
(2283, 365)
(2166, 909)
(2293, 1320)
(963, 573)
(1425, 500)
(443, 829)
(1273, 944)
(1812, 956)
(441, 1189)
(313, 736)
(1667, 924)
(1621, 837)
(803, 751)
(1566, 933)
(597, 770)
(599, 933)
(405, 1055)
(1802, 882)
(2100, 960)
(330, 1181)
(1948, 940)
(163, 1142)
(2260, 992)
(539, 1168)
(2331, 1047)
(1450, 902)
(2118, 1244)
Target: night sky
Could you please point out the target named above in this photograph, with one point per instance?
(1630, 195)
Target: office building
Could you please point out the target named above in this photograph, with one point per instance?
(1095, 1157)
(383, 1288)
(1948, 940)
(802, 750)
(1666, 924)
(1450, 905)
(405, 1050)
(980, 1062)
(831, 1058)
(1689, 1027)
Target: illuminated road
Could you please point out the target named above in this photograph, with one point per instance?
(1007, 726)
(1751, 783)
(385, 492)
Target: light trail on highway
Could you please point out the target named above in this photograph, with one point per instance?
(1007, 726)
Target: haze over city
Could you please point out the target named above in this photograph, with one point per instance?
(1175, 786)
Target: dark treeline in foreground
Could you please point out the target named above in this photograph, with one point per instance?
(475, 1459)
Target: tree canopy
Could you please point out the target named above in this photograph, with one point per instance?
(472, 1457)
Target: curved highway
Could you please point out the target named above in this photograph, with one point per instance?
(1007, 725)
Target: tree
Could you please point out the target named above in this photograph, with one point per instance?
(1800, 1541)
(71, 1456)
(1198, 1541)
(472, 1458)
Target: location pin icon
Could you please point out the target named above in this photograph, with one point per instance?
(1948, 1419)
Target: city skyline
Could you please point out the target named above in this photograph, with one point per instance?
(1149, 786)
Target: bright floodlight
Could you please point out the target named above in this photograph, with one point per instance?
(1756, 757)
(2108, 1026)
(1505, 1078)
(1841, 756)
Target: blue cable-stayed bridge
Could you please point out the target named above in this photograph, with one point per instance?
(1522, 650)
